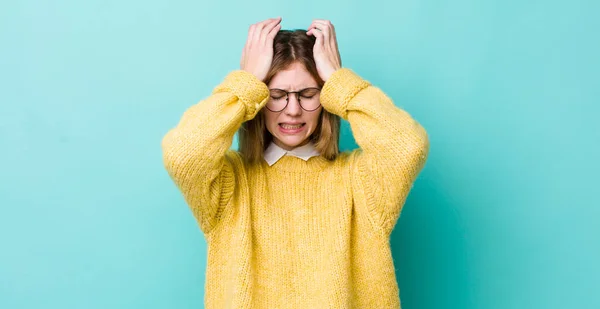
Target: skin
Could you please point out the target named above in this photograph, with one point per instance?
(294, 78)
(257, 57)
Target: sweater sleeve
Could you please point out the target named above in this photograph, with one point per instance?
(393, 147)
(196, 151)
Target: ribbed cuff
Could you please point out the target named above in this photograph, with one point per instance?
(339, 89)
(251, 91)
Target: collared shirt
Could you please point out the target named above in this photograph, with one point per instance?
(273, 153)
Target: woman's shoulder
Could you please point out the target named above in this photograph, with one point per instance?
(235, 159)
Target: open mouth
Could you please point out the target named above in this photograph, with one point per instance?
(292, 127)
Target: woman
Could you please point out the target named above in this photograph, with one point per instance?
(290, 221)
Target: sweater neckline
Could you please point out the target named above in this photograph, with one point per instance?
(294, 164)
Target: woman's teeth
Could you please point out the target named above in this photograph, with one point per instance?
(291, 127)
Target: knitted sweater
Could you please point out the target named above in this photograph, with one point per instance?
(298, 234)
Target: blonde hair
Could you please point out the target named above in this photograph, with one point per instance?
(290, 46)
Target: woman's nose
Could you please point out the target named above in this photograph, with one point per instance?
(293, 106)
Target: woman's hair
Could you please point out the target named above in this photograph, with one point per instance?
(290, 46)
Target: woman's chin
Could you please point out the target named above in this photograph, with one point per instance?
(291, 143)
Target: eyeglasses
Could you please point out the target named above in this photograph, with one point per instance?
(307, 97)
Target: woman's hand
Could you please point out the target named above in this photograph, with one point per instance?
(258, 52)
(326, 53)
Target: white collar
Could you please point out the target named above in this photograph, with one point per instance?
(273, 153)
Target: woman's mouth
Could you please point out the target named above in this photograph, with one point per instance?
(291, 128)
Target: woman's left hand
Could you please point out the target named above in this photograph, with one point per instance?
(326, 53)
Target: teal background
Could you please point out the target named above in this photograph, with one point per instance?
(504, 215)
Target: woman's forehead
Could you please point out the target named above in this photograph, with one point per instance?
(294, 77)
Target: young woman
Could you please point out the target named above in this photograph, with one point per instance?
(290, 221)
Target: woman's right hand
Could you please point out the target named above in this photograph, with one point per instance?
(258, 52)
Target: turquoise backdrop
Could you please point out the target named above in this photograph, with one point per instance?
(505, 214)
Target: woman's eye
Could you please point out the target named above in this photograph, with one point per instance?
(276, 97)
(308, 93)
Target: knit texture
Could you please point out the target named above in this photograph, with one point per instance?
(298, 234)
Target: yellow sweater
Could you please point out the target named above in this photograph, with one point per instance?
(298, 234)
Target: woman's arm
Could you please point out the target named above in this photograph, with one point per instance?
(196, 152)
(393, 145)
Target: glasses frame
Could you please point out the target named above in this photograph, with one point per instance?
(287, 99)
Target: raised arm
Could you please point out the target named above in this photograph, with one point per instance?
(393, 145)
(196, 152)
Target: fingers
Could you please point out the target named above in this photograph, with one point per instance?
(326, 41)
(271, 35)
(258, 51)
(324, 27)
(322, 24)
(270, 30)
(330, 35)
(256, 33)
(318, 35)
(262, 28)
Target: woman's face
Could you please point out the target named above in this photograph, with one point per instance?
(292, 126)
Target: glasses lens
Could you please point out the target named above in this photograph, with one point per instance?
(278, 100)
(309, 98)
